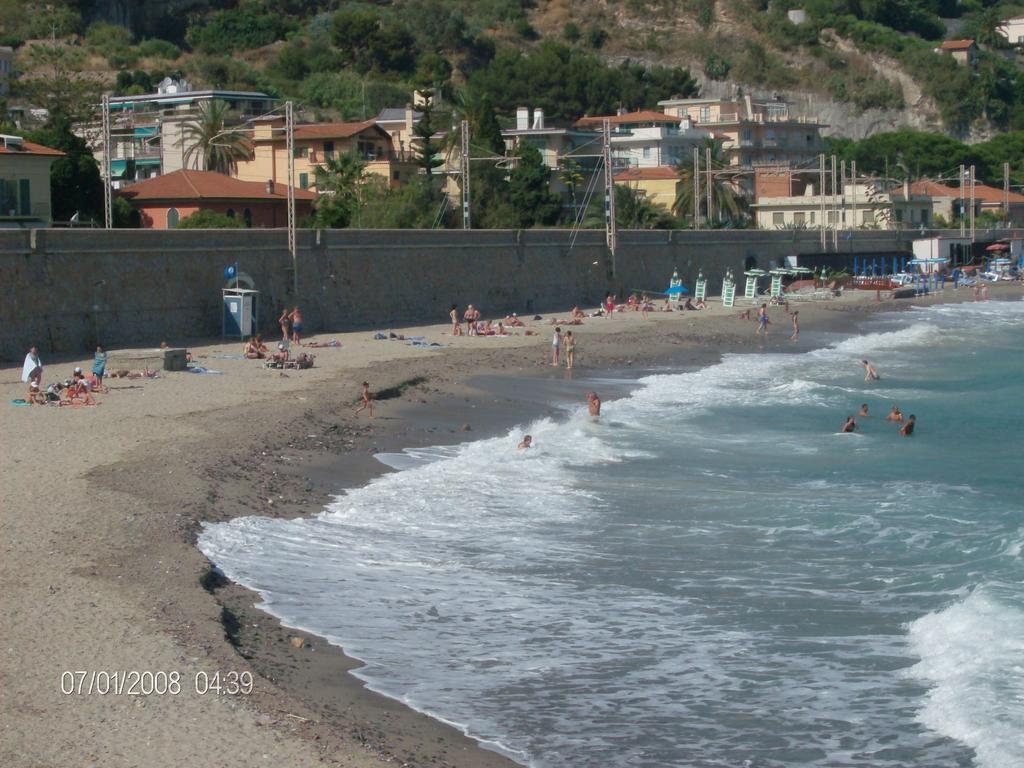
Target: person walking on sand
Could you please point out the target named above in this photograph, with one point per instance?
(570, 349)
(908, 429)
(796, 326)
(296, 318)
(870, 374)
(850, 425)
(367, 400)
(762, 320)
(527, 441)
(456, 325)
(556, 346)
(285, 321)
(32, 370)
(593, 404)
(609, 304)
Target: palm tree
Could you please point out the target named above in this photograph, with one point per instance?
(337, 185)
(728, 204)
(208, 141)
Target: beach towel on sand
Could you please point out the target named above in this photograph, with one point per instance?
(200, 369)
(29, 366)
(19, 401)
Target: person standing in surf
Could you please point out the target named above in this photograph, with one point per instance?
(796, 326)
(762, 320)
(593, 404)
(556, 346)
(870, 374)
(570, 349)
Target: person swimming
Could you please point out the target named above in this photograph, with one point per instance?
(850, 425)
(895, 415)
(863, 410)
(527, 441)
(908, 429)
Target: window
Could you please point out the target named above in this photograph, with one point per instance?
(924, 218)
(24, 198)
(812, 217)
(328, 150)
(799, 218)
(231, 213)
(397, 176)
(705, 114)
(247, 215)
(899, 214)
(172, 218)
(647, 153)
(747, 135)
(300, 152)
(831, 217)
(778, 219)
(303, 181)
(866, 218)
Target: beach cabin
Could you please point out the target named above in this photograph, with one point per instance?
(937, 250)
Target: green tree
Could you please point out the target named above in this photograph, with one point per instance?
(60, 85)
(427, 152)
(366, 42)
(411, 206)
(338, 184)
(728, 204)
(211, 143)
(633, 210)
(529, 188)
(207, 219)
(75, 183)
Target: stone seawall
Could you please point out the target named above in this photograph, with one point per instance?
(64, 290)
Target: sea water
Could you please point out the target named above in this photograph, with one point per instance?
(710, 574)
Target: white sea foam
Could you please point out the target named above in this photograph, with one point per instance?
(972, 656)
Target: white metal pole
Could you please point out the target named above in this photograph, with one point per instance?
(611, 228)
(289, 123)
(821, 197)
(963, 203)
(108, 210)
(835, 207)
(972, 203)
(707, 162)
(1006, 194)
(467, 220)
(853, 185)
(696, 188)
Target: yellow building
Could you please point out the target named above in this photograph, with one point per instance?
(752, 131)
(315, 144)
(660, 184)
(25, 182)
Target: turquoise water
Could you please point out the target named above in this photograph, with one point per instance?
(711, 575)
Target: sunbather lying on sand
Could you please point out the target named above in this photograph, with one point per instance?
(513, 321)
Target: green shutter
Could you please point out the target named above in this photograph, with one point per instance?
(25, 197)
(304, 181)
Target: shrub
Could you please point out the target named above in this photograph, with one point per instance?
(717, 67)
(159, 49)
(571, 32)
(596, 37)
(252, 24)
(524, 29)
(207, 219)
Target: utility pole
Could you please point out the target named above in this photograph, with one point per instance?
(707, 162)
(963, 203)
(696, 188)
(821, 197)
(467, 221)
(611, 229)
(853, 185)
(835, 207)
(289, 131)
(108, 211)
(972, 203)
(1006, 194)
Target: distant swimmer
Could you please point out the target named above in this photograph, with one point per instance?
(526, 443)
(908, 429)
(870, 374)
(895, 415)
(850, 425)
(863, 410)
(593, 404)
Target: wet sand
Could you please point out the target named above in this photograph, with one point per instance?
(101, 507)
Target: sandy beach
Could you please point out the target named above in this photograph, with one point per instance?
(101, 508)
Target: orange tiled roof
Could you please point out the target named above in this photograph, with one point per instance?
(31, 148)
(333, 130)
(654, 173)
(956, 45)
(982, 192)
(643, 116)
(207, 185)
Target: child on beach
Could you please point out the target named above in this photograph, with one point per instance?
(570, 349)
(99, 366)
(456, 325)
(609, 305)
(367, 401)
(35, 397)
(296, 318)
(762, 320)
(593, 404)
(556, 346)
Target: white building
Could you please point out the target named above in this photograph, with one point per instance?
(868, 204)
(649, 139)
(147, 132)
(1013, 30)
